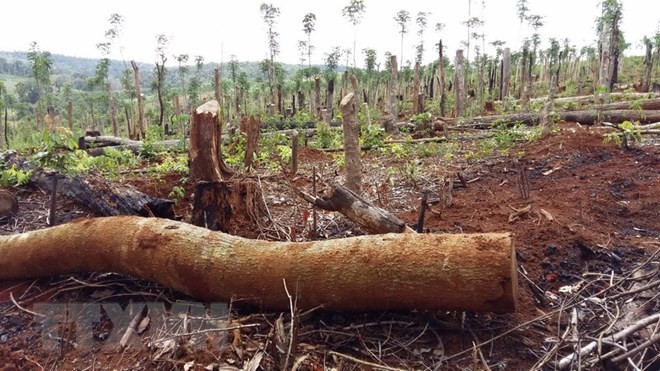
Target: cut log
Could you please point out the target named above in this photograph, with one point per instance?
(471, 272)
(8, 205)
(591, 117)
(370, 218)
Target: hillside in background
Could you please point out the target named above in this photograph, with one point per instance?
(76, 70)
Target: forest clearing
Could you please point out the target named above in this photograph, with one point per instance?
(475, 213)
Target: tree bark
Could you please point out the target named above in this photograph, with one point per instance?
(136, 75)
(648, 67)
(415, 94)
(441, 85)
(590, 117)
(392, 111)
(459, 84)
(367, 273)
(250, 126)
(370, 218)
(217, 88)
(69, 114)
(329, 110)
(205, 160)
(351, 143)
(160, 78)
(506, 73)
(8, 206)
(317, 97)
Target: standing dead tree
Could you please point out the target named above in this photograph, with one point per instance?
(351, 140)
(392, 111)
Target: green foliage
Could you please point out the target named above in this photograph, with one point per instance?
(628, 133)
(149, 149)
(14, 176)
(372, 136)
(177, 193)
(173, 164)
(57, 150)
(326, 137)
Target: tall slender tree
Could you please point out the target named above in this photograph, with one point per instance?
(270, 13)
(309, 24)
(41, 64)
(182, 59)
(402, 18)
(421, 21)
(161, 52)
(354, 11)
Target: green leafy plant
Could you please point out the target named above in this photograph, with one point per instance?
(14, 177)
(326, 137)
(177, 193)
(372, 136)
(628, 133)
(57, 150)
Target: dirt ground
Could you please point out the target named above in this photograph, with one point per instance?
(588, 232)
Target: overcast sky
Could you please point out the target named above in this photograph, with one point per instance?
(218, 29)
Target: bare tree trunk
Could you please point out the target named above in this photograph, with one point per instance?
(329, 108)
(415, 95)
(392, 104)
(317, 97)
(113, 112)
(136, 75)
(160, 77)
(506, 74)
(295, 145)
(351, 142)
(546, 120)
(648, 64)
(250, 125)
(177, 113)
(441, 85)
(459, 83)
(69, 114)
(217, 84)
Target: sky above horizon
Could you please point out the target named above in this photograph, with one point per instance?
(219, 29)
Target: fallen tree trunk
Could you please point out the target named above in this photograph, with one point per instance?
(595, 98)
(471, 272)
(590, 117)
(646, 104)
(101, 198)
(369, 217)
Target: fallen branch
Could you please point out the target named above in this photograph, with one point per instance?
(586, 350)
(370, 218)
(404, 271)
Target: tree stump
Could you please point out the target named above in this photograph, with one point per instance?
(8, 206)
(220, 203)
(228, 206)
